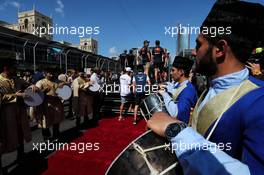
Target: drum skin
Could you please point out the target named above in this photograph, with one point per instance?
(154, 103)
(131, 162)
(33, 98)
(65, 92)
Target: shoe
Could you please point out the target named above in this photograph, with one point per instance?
(134, 122)
(120, 118)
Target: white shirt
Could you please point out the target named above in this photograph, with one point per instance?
(94, 77)
(125, 81)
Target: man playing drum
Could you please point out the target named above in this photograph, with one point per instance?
(230, 114)
(14, 126)
(50, 112)
(82, 101)
(181, 94)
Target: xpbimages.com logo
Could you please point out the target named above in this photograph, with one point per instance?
(208, 146)
(80, 147)
(80, 31)
(174, 31)
(117, 88)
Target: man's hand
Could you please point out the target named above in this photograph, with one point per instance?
(162, 89)
(60, 85)
(51, 93)
(34, 88)
(160, 121)
(255, 68)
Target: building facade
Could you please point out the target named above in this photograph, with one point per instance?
(89, 45)
(35, 23)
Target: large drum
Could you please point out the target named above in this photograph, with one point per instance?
(64, 93)
(149, 154)
(152, 104)
(33, 98)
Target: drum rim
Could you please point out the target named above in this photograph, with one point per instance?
(70, 90)
(110, 166)
(161, 104)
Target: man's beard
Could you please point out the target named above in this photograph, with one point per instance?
(206, 66)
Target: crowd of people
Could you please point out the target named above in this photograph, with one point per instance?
(154, 60)
(225, 134)
(229, 111)
(17, 117)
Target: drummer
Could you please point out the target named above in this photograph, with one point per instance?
(230, 114)
(181, 95)
(50, 112)
(14, 126)
(82, 101)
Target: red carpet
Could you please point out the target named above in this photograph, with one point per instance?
(113, 136)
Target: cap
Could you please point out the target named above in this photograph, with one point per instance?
(62, 77)
(238, 22)
(128, 69)
(183, 63)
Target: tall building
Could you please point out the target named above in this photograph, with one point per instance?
(186, 53)
(33, 21)
(183, 40)
(89, 45)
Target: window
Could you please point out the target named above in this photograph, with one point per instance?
(26, 23)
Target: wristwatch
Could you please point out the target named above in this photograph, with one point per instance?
(174, 129)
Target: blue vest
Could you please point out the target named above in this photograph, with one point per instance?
(246, 138)
(141, 81)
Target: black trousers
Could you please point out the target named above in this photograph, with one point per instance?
(97, 103)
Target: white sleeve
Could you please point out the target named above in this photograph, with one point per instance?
(39, 84)
(191, 147)
(93, 77)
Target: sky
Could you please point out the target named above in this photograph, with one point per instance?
(121, 24)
